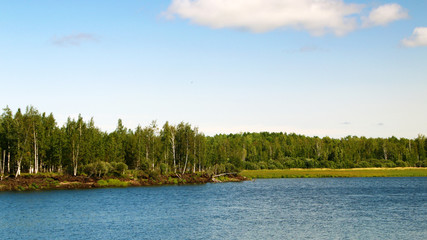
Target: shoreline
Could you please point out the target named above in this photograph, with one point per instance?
(54, 181)
(336, 173)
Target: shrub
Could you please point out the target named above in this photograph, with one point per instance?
(163, 168)
(231, 168)
(153, 175)
(251, 166)
(102, 183)
(99, 168)
(112, 183)
(362, 164)
(389, 164)
(89, 169)
(400, 163)
(262, 165)
(310, 163)
(118, 168)
(116, 183)
(144, 165)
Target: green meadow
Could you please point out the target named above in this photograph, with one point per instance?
(328, 173)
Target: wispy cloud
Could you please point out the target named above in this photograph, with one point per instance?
(346, 123)
(314, 16)
(308, 49)
(305, 49)
(417, 39)
(380, 124)
(74, 39)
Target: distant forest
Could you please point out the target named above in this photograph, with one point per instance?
(33, 142)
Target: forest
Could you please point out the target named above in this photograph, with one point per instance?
(32, 142)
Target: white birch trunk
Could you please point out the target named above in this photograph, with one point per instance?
(147, 151)
(36, 162)
(200, 159)
(4, 159)
(186, 158)
(172, 139)
(18, 172)
(76, 152)
(75, 158)
(8, 162)
(152, 154)
(139, 153)
(194, 151)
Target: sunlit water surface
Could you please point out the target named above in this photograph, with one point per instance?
(329, 208)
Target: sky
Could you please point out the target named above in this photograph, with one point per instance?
(319, 68)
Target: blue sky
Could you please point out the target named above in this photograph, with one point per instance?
(222, 68)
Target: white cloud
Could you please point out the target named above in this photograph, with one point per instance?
(74, 39)
(418, 38)
(385, 14)
(315, 16)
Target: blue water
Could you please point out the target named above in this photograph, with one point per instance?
(329, 208)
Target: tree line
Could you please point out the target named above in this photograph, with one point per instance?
(33, 142)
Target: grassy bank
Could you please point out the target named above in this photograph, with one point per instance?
(324, 173)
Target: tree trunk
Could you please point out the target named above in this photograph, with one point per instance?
(186, 159)
(74, 158)
(173, 152)
(385, 153)
(76, 150)
(18, 172)
(4, 159)
(147, 155)
(36, 160)
(8, 162)
(153, 153)
(194, 157)
(199, 161)
(139, 153)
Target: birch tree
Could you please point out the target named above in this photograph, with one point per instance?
(8, 137)
(74, 131)
(22, 135)
(34, 124)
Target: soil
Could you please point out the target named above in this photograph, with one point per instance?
(34, 182)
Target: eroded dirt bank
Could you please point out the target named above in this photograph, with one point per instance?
(55, 181)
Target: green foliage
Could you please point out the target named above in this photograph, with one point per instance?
(80, 147)
(173, 180)
(112, 183)
(321, 173)
(33, 186)
(230, 168)
(99, 168)
(153, 175)
(163, 168)
(223, 178)
(118, 168)
(250, 166)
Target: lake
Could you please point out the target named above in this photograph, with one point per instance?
(318, 208)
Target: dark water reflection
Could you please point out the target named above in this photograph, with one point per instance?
(353, 208)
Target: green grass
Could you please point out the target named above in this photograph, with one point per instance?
(20, 188)
(325, 173)
(42, 174)
(112, 183)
